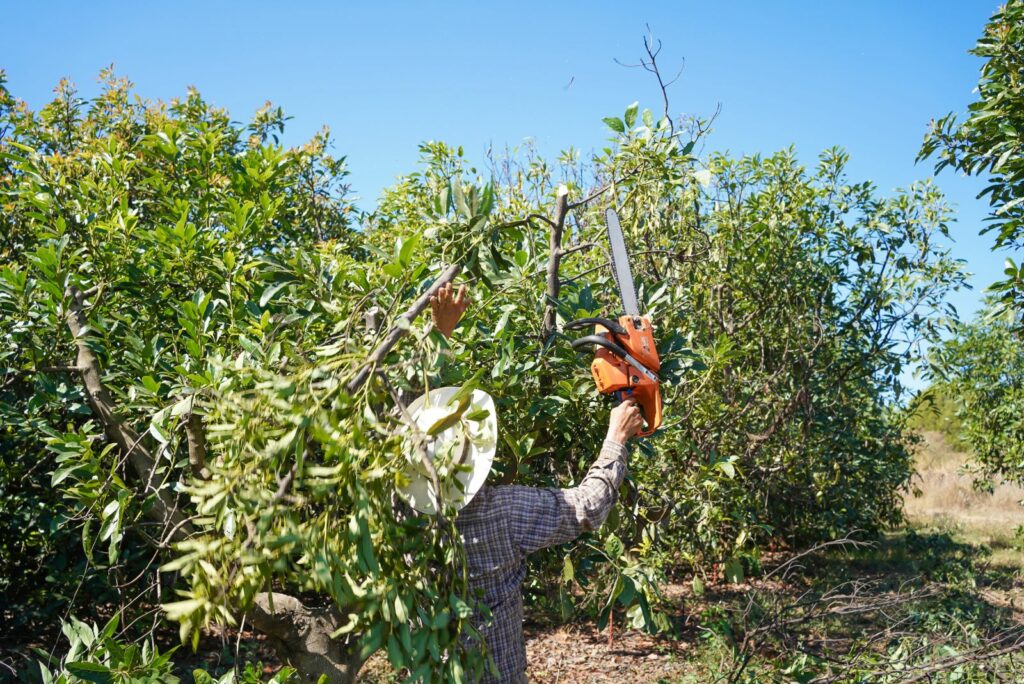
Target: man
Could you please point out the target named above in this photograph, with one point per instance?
(501, 526)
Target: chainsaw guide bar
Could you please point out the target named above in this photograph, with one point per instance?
(620, 264)
(626, 361)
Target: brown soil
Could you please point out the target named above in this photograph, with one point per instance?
(579, 653)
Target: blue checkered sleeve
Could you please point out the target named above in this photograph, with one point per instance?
(546, 517)
(502, 525)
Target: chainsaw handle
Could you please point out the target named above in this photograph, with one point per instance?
(613, 326)
(648, 398)
(600, 342)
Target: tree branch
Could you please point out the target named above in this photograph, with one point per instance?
(195, 433)
(418, 441)
(554, 259)
(301, 636)
(399, 331)
(164, 509)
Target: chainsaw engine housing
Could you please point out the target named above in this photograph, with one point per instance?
(613, 374)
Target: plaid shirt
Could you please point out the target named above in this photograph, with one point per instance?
(502, 525)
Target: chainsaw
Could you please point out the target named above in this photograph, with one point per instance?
(626, 362)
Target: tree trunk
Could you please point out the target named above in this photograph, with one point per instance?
(554, 285)
(301, 637)
(164, 508)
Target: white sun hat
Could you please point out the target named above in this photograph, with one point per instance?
(461, 450)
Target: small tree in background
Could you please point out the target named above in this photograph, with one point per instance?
(983, 364)
(983, 367)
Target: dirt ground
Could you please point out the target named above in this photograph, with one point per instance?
(578, 653)
(947, 499)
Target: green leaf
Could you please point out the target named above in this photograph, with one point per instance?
(91, 672)
(727, 468)
(441, 620)
(158, 433)
(733, 570)
(451, 419)
(613, 546)
(202, 677)
(395, 652)
(460, 607)
(406, 251)
(271, 291)
(465, 392)
(630, 115)
(615, 124)
(460, 199)
(568, 573)
(477, 415)
(371, 641)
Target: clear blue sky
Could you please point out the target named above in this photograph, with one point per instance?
(387, 75)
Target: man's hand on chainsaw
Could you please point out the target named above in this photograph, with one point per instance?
(446, 309)
(625, 422)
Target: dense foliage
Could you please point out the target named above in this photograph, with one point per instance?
(983, 367)
(187, 310)
(988, 141)
(983, 362)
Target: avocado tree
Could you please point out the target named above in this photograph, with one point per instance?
(208, 351)
(988, 141)
(982, 363)
(983, 367)
(161, 256)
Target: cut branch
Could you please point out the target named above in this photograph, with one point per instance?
(400, 330)
(195, 432)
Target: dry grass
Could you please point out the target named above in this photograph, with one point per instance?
(948, 500)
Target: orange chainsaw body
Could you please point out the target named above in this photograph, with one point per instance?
(615, 375)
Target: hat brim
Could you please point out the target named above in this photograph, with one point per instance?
(459, 489)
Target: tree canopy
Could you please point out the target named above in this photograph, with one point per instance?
(208, 348)
(988, 141)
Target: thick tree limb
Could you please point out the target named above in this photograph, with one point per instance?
(164, 509)
(195, 433)
(554, 260)
(301, 636)
(399, 331)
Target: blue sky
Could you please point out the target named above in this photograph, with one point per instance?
(866, 75)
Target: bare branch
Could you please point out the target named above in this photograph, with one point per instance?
(554, 259)
(652, 47)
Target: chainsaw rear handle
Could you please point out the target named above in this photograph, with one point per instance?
(648, 398)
